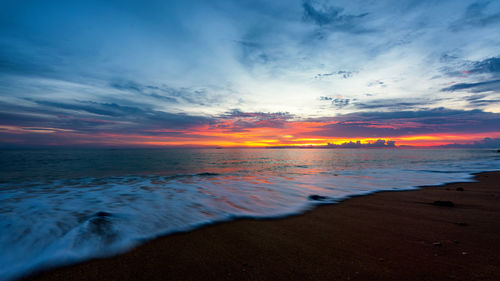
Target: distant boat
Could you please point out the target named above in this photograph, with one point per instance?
(218, 147)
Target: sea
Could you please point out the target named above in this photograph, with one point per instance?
(62, 206)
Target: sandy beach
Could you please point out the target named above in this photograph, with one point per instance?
(406, 235)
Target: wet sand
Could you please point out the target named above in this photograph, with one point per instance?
(383, 236)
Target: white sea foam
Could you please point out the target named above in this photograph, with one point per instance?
(63, 221)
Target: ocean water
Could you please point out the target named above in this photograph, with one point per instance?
(62, 206)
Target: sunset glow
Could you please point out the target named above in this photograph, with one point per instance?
(300, 134)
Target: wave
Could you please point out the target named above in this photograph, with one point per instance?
(47, 224)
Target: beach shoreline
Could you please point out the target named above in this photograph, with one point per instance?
(395, 235)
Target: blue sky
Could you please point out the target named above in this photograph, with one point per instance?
(177, 64)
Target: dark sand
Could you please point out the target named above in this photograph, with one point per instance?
(383, 236)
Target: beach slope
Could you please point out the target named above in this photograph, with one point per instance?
(407, 235)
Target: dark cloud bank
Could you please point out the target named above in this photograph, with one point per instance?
(87, 119)
(403, 123)
(484, 143)
(376, 144)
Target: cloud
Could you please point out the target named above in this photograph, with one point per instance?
(199, 96)
(90, 116)
(380, 143)
(448, 57)
(476, 16)
(343, 74)
(336, 102)
(238, 121)
(252, 53)
(236, 113)
(484, 143)
(400, 123)
(391, 104)
(103, 109)
(64, 123)
(332, 17)
(377, 83)
(481, 100)
(377, 144)
(463, 68)
(476, 70)
(490, 65)
(14, 61)
(485, 86)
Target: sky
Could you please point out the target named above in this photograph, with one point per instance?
(249, 73)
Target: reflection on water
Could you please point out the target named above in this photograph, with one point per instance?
(39, 165)
(60, 206)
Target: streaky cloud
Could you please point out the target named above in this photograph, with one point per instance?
(400, 123)
(323, 15)
(485, 86)
(343, 74)
(476, 15)
(490, 65)
(167, 94)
